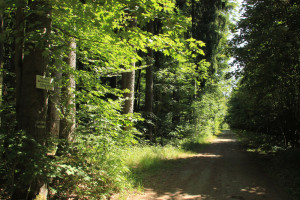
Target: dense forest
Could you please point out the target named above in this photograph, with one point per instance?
(267, 52)
(83, 81)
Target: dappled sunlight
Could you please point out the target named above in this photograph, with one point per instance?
(186, 196)
(221, 170)
(208, 155)
(223, 140)
(254, 190)
(181, 195)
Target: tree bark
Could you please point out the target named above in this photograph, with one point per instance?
(149, 88)
(1, 60)
(175, 104)
(128, 79)
(68, 122)
(138, 90)
(33, 102)
(53, 109)
(18, 57)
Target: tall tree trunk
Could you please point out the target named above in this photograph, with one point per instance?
(1, 60)
(138, 90)
(175, 104)
(53, 108)
(18, 56)
(68, 122)
(149, 88)
(158, 96)
(128, 79)
(32, 101)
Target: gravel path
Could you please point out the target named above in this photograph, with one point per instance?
(222, 171)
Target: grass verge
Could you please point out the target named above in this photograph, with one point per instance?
(145, 161)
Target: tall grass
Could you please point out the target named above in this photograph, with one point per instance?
(149, 156)
(146, 160)
(145, 156)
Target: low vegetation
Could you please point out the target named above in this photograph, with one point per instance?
(93, 91)
(145, 161)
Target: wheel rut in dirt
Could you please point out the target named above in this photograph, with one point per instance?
(221, 171)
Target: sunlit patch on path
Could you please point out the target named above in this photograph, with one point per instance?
(221, 171)
(254, 190)
(208, 155)
(224, 140)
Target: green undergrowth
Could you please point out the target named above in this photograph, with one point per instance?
(145, 161)
(281, 163)
(195, 145)
(260, 143)
(150, 156)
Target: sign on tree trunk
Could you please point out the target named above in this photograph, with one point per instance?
(45, 83)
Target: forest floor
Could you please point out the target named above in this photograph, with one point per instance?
(222, 170)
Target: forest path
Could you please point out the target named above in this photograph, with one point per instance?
(221, 171)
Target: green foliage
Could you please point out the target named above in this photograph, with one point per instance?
(89, 166)
(267, 97)
(211, 110)
(22, 159)
(145, 160)
(188, 115)
(211, 25)
(184, 106)
(108, 51)
(144, 156)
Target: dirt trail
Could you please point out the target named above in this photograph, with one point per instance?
(222, 171)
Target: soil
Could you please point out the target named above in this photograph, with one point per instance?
(221, 171)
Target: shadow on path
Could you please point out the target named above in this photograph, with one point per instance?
(220, 171)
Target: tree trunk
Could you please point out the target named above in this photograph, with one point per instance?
(32, 101)
(158, 96)
(149, 88)
(128, 79)
(138, 90)
(1, 60)
(18, 56)
(175, 104)
(53, 109)
(68, 122)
